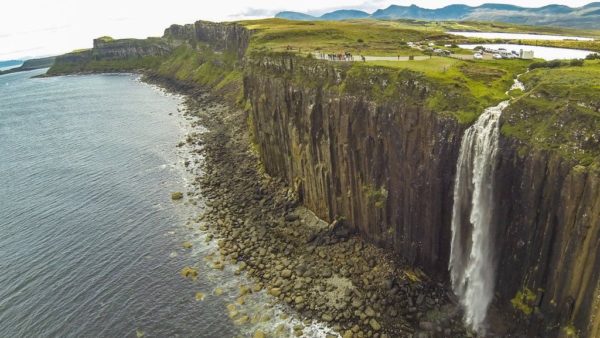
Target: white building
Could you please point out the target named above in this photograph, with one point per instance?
(526, 54)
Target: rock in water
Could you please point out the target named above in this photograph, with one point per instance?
(189, 272)
(199, 296)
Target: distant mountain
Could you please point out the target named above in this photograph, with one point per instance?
(10, 63)
(295, 16)
(500, 7)
(587, 16)
(344, 14)
(554, 9)
(592, 5)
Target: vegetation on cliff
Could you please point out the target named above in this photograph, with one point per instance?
(109, 55)
(463, 89)
(204, 67)
(560, 111)
(100, 66)
(372, 37)
(458, 88)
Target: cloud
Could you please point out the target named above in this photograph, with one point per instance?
(21, 51)
(36, 31)
(254, 12)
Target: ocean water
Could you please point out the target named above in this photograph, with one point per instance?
(90, 241)
(91, 244)
(519, 36)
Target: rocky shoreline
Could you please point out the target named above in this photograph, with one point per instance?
(319, 271)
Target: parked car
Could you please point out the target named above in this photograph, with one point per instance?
(477, 56)
(497, 56)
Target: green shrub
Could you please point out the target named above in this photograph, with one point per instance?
(593, 56)
(523, 300)
(546, 64)
(576, 62)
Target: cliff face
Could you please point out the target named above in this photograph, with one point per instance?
(384, 164)
(386, 167)
(113, 55)
(548, 238)
(231, 37)
(148, 54)
(129, 48)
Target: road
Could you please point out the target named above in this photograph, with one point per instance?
(395, 58)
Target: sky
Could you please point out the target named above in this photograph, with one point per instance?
(49, 27)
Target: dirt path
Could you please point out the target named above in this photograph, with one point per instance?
(375, 58)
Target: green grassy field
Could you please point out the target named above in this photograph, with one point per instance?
(560, 111)
(465, 88)
(358, 37)
(389, 38)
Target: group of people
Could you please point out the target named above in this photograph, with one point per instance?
(339, 56)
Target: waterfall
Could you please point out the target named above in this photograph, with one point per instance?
(471, 264)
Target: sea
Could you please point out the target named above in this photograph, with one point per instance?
(91, 243)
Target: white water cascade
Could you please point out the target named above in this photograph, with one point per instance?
(471, 264)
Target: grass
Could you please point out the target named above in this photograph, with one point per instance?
(116, 65)
(387, 37)
(202, 66)
(522, 301)
(377, 196)
(357, 36)
(560, 111)
(105, 38)
(464, 88)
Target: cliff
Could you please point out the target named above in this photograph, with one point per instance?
(386, 166)
(113, 55)
(548, 238)
(548, 200)
(376, 148)
(228, 37)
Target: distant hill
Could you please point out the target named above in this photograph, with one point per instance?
(295, 16)
(31, 65)
(345, 14)
(586, 17)
(10, 63)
